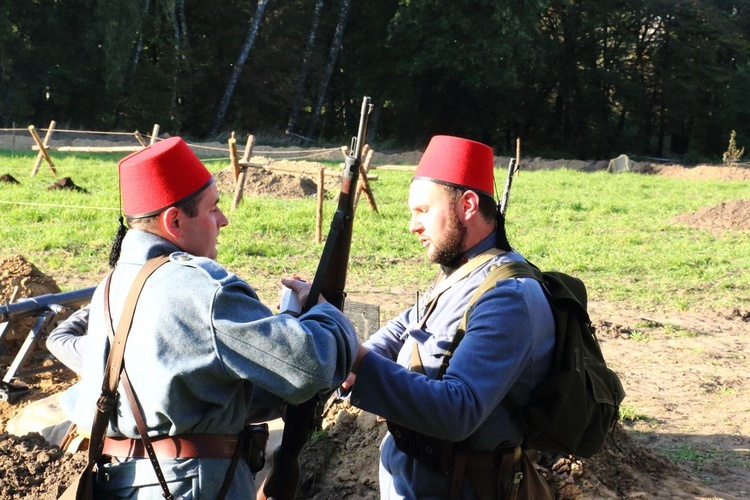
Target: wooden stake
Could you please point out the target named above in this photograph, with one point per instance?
(42, 149)
(518, 152)
(240, 183)
(233, 158)
(154, 134)
(363, 168)
(364, 184)
(140, 139)
(248, 148)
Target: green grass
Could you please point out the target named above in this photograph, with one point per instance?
(613, 231)
(629, 413)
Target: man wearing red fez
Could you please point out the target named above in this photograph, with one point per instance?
(440, 408)
(204, 355)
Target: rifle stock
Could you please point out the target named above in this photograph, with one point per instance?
(330, 281)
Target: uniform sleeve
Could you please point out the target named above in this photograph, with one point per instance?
(486, 364)
(66, 341)
(292, 358)
(265, 407)
(387, 341)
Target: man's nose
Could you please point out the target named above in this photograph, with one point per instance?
(223, 221)
(415, 226)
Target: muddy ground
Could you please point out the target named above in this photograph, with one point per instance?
(689, 382)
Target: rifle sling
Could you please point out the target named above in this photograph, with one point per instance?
(115, 363)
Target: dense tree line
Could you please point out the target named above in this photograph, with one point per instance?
(577, 78)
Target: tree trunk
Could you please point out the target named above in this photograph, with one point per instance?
(130, 72)
(183, 24)
(235, 76)
(305, 68)
(139, 44)
(177, 57)
(333, 56)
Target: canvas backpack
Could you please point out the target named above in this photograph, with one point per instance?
(577, 405)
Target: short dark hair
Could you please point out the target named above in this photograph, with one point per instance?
(188, 205)
(489, 210)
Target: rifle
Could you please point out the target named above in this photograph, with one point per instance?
(512, 169)
(48, 310)
(329, 281)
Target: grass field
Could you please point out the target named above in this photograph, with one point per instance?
(613, 231)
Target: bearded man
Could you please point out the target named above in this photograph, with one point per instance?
(451, 434)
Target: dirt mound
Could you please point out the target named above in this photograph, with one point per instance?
(704, 172)
(66, 183)
(18, 279)
(731, 215)
(273, 181)
(31, 468)
(8, 179)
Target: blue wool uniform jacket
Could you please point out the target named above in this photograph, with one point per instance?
(204, 355)
(506, 350)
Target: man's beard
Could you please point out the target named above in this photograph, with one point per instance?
(450, 248)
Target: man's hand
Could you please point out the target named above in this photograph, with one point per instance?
(362, 351)
(301, 288)
(348, 384)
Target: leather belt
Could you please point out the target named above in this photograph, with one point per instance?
(181, 446)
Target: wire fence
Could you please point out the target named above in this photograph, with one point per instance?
(94, 141)
(15, 138)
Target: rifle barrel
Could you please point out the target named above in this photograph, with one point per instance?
(33, 306)
(512, 167)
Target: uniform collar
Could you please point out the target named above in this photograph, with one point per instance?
(139, 246)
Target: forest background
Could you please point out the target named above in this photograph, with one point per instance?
(585, 79)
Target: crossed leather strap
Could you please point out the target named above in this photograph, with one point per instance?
(190, 446)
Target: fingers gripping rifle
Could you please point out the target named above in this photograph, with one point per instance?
(329, 281)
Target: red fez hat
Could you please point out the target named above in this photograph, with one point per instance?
(458, 162)
(160, 176)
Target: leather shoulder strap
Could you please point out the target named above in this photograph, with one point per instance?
(512, 269)
(117, 350)
(108, 398)
(459, 274)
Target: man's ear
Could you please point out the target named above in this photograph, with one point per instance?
(169, 223)
(469, 204)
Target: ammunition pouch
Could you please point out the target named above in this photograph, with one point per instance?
(433, 452)
(493, 475)
(254, 438)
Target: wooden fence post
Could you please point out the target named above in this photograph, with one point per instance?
(239, 187)
(364, 183)
(232, 142)
(518, 151)
(154, 134)
(140, 139)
